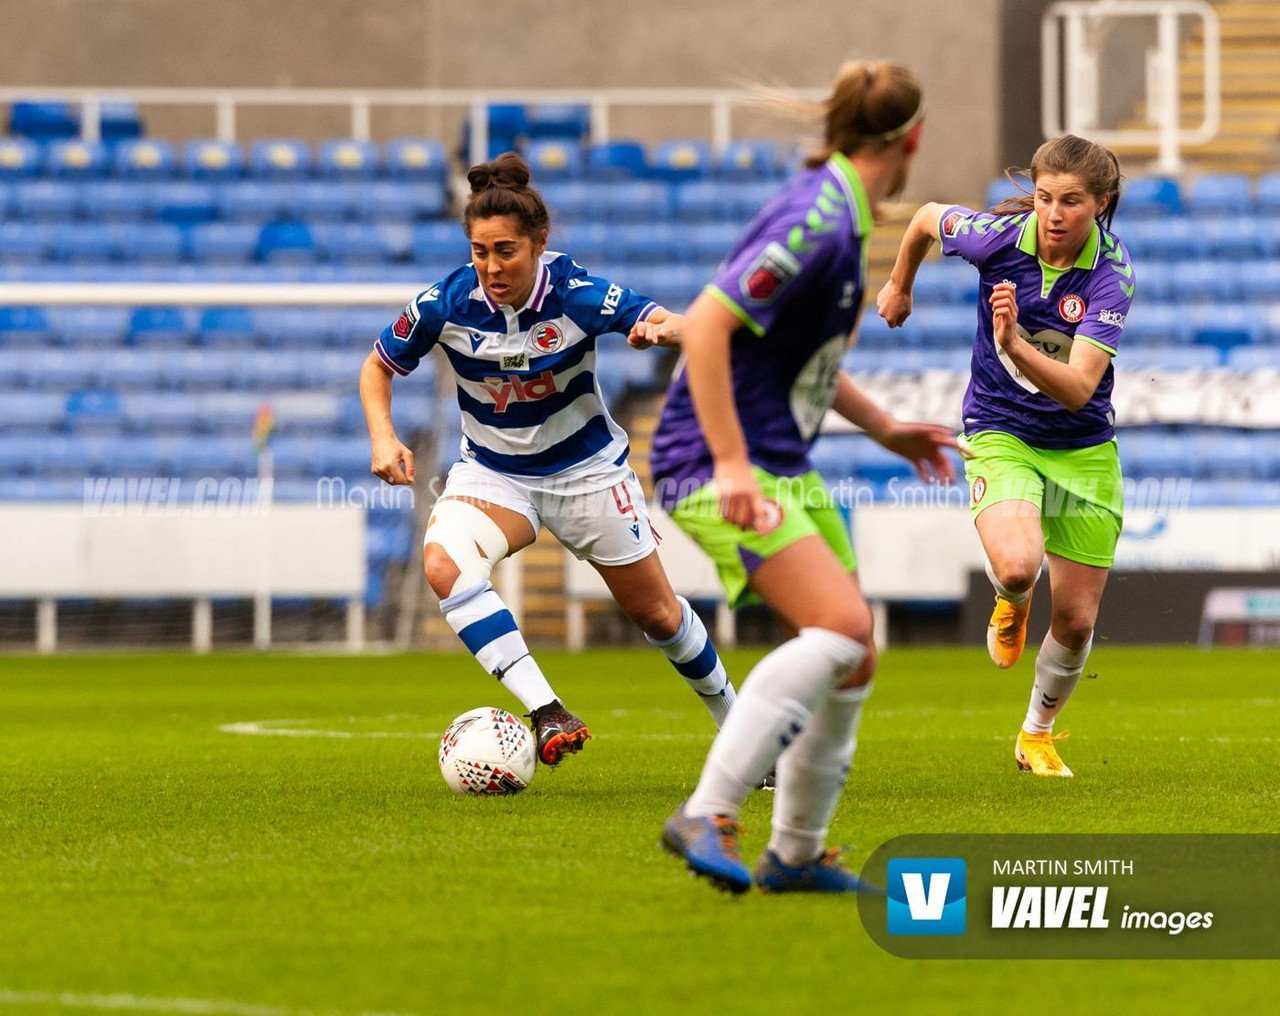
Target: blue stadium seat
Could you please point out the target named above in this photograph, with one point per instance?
(255, 200)
(93, 412)
(440, 242)
(24, 326)
(1226, 325)
(114, 200)
(289, 242)
(1155, 281)
(346, 159)
(1170, 239)
(85, 241)
(747, 198)
(749, 160)
(558, 121)
(293, 327)
(280, 159)
(351, 241)
(49, 369)
(118, 122)
(1240, 238)
(1151, 196)
(874, 333)
(588, 243)
(209, 159)
(615, 160)
(44, 121)
(150, 242)
(25, 241)
(939, 327)
(325, 200)
(223, 242)
(131, 370)
(90, 328)
(386, 201)
(1155, 324)
(268, 370)
(182, 202)
(554, 159)
(200, 370)
(1002, 189)
(944, 281)
(1241, 455)
(76, 159)
(700, 200)
(712, 241)
(1220, 194)
(569, 200)
(1267, 195)
(19, 158)
(1144, 454)
(416, 158)
(508, 124)
(1246, 358)
(632, 201)
(650, 243)
(28, 411)
(41, 200)
(1202, 281)
(145, 159)
(1167, 358)
(680, 160)
(227, 326)
(294, 455)
(343, 456)
(216, 456)
(161, 327)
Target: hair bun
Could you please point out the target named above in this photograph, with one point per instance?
(508, 171)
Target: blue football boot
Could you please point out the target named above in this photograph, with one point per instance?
(709, 846)
(824, 875)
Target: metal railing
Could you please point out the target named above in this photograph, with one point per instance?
(1069, 34)
(226, 102)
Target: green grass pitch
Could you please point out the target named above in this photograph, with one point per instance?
(146, 854)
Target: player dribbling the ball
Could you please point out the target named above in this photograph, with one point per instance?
(1039, 429)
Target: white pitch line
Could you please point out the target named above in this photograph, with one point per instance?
(142, 1003)
(293, 728)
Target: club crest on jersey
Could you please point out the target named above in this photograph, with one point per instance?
(979, 490)
(952, 223)
(546, 337)
(768, 273)
(1071, 307)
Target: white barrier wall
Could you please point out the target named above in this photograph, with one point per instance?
(61, 551)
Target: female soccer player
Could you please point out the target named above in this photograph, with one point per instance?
(518, 326)
(762, 347)
(1039, 430)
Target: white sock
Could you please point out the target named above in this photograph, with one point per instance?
(777, 699)
(1057, 671)
(1008, 594)
(692, 654)
(811, 774)
(487, 628)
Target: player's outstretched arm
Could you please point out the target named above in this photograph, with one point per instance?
(391, 460)
(661, 328)
(894, 300)
(921, 444)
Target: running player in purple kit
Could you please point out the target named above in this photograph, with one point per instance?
(1039, 430)
(762, 347)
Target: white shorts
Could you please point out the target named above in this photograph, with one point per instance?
(607, 527)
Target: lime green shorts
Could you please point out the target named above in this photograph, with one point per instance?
(807, 507)
(1078, 491)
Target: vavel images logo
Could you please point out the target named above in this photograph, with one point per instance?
(926, 896)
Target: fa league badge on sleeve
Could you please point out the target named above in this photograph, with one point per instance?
(768, 273)
(952, 223)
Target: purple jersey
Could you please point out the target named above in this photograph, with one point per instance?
(795, 281)
(1056, 307)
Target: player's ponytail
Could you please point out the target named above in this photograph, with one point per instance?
(1097, 168)
(501, 187)
(872, 103)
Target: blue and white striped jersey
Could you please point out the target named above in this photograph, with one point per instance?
(526, 381)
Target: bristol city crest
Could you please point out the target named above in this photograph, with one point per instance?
(1071, 307)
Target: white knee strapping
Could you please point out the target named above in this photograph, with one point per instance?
(472, 540)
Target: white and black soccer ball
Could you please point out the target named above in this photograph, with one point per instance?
(487, 751)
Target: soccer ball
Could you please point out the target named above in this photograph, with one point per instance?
(487, 751)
